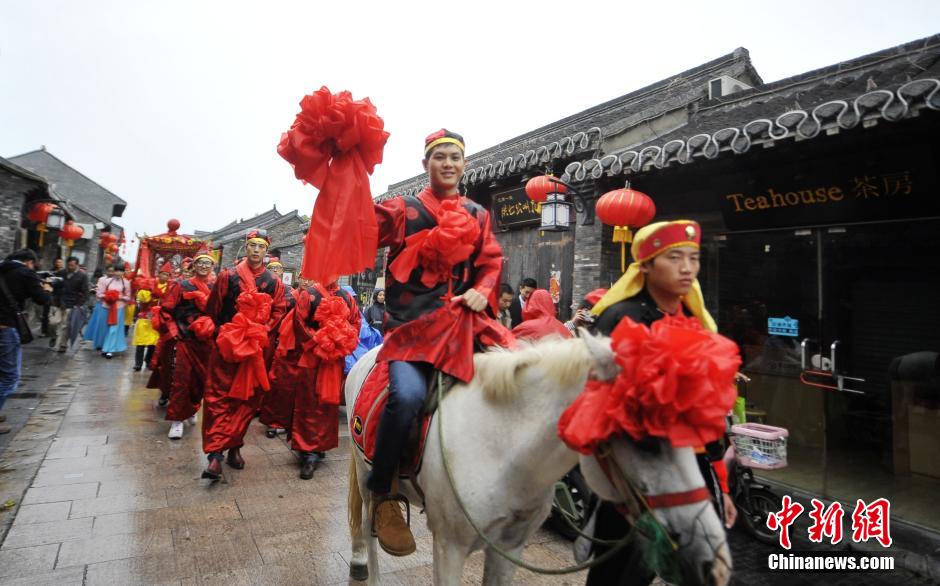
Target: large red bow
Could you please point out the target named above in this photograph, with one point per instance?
(335, 143)
(198, 297)
(243, 340)
(202, 327)
(438, 249)
(676, 382)
(111, 297)
(333, 341)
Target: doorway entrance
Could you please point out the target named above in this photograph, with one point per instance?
(839, 327)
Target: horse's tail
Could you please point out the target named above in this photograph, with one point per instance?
(354, 499)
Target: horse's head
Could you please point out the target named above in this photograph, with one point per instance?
(656, 469)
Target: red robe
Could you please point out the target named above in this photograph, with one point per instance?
(538, 318)
(299, 375)
(421, 323)
(182, 304)
(225, 417)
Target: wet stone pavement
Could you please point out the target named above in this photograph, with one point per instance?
(103, 497)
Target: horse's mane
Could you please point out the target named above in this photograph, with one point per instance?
(565, 361)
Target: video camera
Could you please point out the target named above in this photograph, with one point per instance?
(49, 277)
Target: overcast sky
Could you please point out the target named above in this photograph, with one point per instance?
(177, 106)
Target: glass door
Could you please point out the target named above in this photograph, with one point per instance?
(769, 303)
(881, 331)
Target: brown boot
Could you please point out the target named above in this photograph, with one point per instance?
(234, 459)
(388, 524)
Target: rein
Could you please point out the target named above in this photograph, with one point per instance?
(636, 503)
(615, 548)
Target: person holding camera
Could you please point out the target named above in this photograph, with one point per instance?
(18, 282)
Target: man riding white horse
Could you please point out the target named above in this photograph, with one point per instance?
(441, 252)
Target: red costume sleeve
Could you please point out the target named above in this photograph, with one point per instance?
(721, 472)
(167, 305)
(489, 261)
(390, 216)
(219, 290)
(278, 307)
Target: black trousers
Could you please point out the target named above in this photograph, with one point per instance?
(139, 355)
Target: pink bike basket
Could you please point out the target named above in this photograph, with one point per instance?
(760, 446)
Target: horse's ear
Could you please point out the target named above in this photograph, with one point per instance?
(602, 356)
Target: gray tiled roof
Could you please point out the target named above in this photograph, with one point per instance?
(889, 85)
(72, 186)
(580, 135)
(238, 227)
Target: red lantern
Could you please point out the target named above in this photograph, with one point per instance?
(39, 213)
(623, 208)
(108, 257)
(113, 248)
(106, 240)
(69, 233)
(539, 187)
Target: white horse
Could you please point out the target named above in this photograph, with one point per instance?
(503, 449)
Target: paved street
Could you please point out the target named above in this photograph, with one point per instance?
(110, 500)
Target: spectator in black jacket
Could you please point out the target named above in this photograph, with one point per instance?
(70, 294)
(526, 287)
(20, 280)
(375, 313)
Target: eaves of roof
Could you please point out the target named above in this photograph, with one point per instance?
(833, 99)
(584, 131)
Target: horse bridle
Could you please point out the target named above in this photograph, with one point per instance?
(634, 502)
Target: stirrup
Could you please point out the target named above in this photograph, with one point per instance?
(398, 497)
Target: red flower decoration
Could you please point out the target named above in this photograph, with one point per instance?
(243, 340)
(202, 327)
(438, 249)
(335, 143)
(111, 297)
(336, 338)
(676, 382)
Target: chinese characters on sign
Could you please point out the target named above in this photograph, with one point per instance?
(871, 521)
(514, 208)
(783, 326)
(889, 184)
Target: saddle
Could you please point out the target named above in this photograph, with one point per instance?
(367, 412)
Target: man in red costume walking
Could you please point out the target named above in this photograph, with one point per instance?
(183, 315)
(314, 339)
(246, 303)
(161, 364)
(442, 253)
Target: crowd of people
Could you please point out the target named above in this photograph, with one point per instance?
(239, 343)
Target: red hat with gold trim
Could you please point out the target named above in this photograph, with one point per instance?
(204, 252)
(167, 268)
(648, 243)
(443, 136)
(259, 236)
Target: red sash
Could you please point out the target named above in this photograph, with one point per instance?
(244, 339)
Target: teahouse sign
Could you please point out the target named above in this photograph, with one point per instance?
(856, 197)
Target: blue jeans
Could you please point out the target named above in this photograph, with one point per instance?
(407, 391)
(11, 362)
